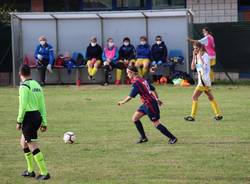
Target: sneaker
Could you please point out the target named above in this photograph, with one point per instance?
(90, 77)
(28, 174)
(172, 141)
(218, 118)
(117, 82)
(189, 118)
(105, 84)
(142, 140)
(43, 177)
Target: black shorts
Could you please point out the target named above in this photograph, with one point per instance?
(31, 124)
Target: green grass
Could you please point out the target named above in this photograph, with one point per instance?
(207, 151)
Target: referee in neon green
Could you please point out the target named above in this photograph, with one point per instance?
(31, 117)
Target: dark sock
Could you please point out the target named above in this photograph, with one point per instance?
(26, 150)
(36, 151)
(165, 131)
(140, 129)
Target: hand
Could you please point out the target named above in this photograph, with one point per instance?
(160, 103)
(18, 126)
(43, 128)
(49, 68)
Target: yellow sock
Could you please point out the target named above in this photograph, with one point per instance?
(90, 71)
(94, 70)
(118, 74)
(215, 107)
(194, 108)
(144, 71)
(211, 75)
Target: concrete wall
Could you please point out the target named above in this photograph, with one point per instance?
(207, 11)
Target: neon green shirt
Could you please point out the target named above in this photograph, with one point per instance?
(31, 98)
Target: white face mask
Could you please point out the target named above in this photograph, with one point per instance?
(42, 42)
(110, 44)
(93, 44)
(126, 43)
(143, 42)
(158, 42)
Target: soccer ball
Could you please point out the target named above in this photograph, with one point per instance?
(69, 137)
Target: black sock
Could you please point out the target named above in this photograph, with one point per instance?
(165, 131)
(140, 128)
(36, 151)
(26, 150)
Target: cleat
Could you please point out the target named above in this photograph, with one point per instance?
(105, 84)
(142, 140)
(218, 118)
(28, 174)
(172, 141)
(189, 118)
(43, 177)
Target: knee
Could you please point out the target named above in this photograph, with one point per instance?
(194, 98)
(134, 119)
(210, 98)
(156, 123)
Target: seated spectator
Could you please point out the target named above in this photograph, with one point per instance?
(143, 56)
(159, 55)
(94, 57)
(44, 56)
(69, 63)
(110, 58)
(127, 57)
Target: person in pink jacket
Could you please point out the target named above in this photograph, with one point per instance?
(209, 44)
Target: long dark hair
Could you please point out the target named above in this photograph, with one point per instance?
(208, 30)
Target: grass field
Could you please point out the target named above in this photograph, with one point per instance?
(105, 150)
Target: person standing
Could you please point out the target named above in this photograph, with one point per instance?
(44, 56)
(201, 63)
(208, 42)
(31, 118)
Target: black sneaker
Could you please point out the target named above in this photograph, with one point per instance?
(142, 140)
(218, 118)
(90, 77)
(105, 84)
(43, 177)
(172, 141)
(189, 118)
(28, 174)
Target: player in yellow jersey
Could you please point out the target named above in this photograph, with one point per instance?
(201, 62)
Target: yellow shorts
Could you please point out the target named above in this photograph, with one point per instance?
(203, 88)
(130, 61)
(141, 61)
(212, 62)
(99, 62)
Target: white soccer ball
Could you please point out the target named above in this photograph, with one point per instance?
(69, 137)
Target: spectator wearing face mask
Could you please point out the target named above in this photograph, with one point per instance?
(94, 57)
(127, 57)
(44, 56)
(110, 57)
(159, 55)
(143, 55)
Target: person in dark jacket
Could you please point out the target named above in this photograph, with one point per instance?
(126, 56)
(94, 57)
(44, 56)
(159, 53)
(143, 55)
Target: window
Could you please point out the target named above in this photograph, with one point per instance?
(131, 4)
(61, 5)
(96, 4)
(161, 4)
(244, 10)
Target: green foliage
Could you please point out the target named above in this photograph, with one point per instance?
(5, 9)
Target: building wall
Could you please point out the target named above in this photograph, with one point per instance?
(207, 11)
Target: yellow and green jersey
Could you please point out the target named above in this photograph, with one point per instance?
(31, 98)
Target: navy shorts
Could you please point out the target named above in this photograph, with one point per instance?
(152, 110)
